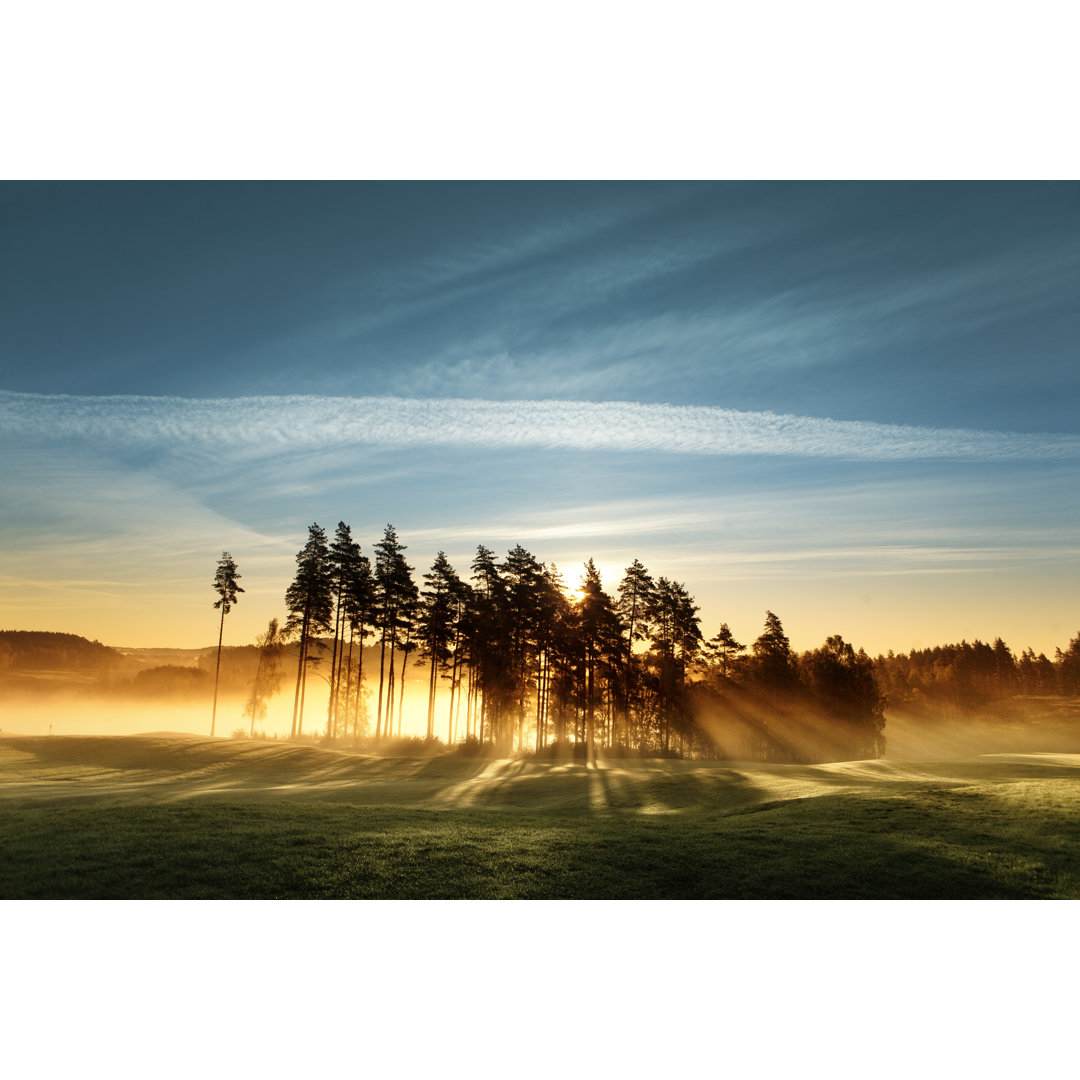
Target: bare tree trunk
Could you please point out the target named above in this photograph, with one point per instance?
(348, 678)
(453, 690)
(401, 692)
(217, 671)
(299, 671)
(331, 706)
(379, 706)
(359, 682)
(431, 700)
(303, 694)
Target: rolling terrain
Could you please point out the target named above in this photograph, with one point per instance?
(176, 816)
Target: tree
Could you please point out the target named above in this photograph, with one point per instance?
(310, 605)
(676, 637)
(774, 667)
(489, 649)
(1068, 663)
(438, 606)
(224, 583)
(723, 649)
(396, 595)
(523, 578)
(636, 592)
(842, 685)
(344, 560)
(600, 635)
(268, 674)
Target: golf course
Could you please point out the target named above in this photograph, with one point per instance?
(172, 816)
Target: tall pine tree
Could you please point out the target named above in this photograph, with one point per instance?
(224, 583)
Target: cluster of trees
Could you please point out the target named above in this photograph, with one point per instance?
(975, 674)
(526, 665)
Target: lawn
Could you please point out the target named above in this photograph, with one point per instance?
(182, 817)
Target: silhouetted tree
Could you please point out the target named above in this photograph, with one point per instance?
(556, 626)
(224, 583)
(438, 607)
(489, 650)
(723, 649)
(393, 588)
(600, 635)
(344, 557)
(1068, 664)
(850, 706)
(309, 603)
(636, 597)
(676, 638)
(522, 578)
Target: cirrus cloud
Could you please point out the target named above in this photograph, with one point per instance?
(273, 423)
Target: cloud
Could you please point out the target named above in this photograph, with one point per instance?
(282, 423)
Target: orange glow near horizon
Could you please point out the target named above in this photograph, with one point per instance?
(878, 613)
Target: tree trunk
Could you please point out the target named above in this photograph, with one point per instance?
(348, 678)
(401, 692)
(299, 670)
(217, 671)
(331, 705)
(379, 704)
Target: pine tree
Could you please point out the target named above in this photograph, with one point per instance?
(489, 649)
(676, 637)
(438, 602)
(396, 593)
(224, 583)
(600, 634)
(635, 598)
(309, 603)
(344, 557)
(723, 650)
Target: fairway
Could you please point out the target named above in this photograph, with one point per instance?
(170, 816)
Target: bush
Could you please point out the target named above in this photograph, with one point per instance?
(473, 747)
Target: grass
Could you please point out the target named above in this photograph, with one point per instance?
(180, 817)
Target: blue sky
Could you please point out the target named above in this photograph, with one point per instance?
(853, 404)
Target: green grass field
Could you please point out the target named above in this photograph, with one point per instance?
(174, 816)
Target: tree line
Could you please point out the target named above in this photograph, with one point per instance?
(515, 660)
(972, 674)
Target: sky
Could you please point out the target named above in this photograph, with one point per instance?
(852, 404)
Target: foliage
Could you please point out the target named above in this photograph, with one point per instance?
(171, 680)
(268, 673)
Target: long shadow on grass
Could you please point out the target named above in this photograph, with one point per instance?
(832, 847)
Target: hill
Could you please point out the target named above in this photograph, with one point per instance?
(37, 650)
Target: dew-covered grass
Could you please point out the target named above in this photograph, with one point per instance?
(182, 817)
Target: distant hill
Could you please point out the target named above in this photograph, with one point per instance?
(42, 650)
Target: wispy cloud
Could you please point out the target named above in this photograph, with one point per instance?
(277, 423)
